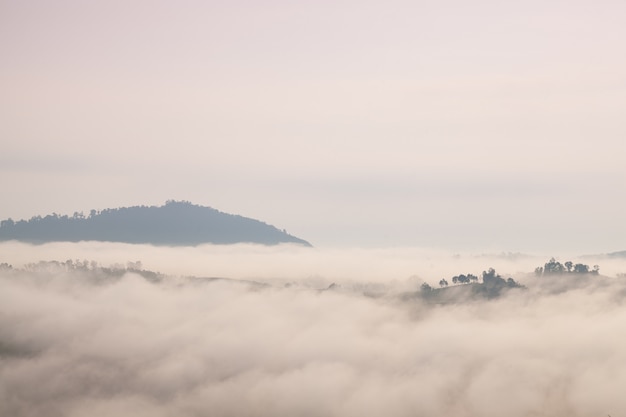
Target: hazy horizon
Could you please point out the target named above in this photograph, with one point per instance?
(292, 262)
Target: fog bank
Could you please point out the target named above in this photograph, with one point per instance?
(293, 262)
(74, 346)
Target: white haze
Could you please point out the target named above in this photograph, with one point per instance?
(74, 347)
(289, 262)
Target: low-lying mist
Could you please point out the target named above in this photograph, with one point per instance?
(277, 339)
(293, 262)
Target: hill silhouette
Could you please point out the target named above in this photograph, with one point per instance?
(177, 223)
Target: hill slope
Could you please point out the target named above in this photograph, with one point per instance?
(175, 223)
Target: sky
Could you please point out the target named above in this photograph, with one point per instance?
(448, 124)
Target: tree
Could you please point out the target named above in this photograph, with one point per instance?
(553, 267)
(464, 279)
(490, 276)
(569, 265)
(443, 283)
(425, 287)
(7, 223)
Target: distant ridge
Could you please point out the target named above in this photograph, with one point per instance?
(612, 255)
(177, 223)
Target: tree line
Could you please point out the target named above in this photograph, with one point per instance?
(492, 279)
(488, 278)
(554, 267)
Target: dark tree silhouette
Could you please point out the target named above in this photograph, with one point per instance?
(553, 267)
(464, 279)
(569, 265)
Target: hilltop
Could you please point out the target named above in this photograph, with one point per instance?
(177, 223)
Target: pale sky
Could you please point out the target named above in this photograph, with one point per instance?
(448, 124)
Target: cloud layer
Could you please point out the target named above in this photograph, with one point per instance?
(75, 346)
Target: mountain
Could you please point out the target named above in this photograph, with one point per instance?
(612, 255)
(177, 223)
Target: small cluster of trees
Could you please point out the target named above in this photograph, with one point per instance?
(459, 279)
(553, 267)
(463, 279)
(84, 266)
(489, 278)
(86, 269)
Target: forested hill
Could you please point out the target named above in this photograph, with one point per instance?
(175, 223)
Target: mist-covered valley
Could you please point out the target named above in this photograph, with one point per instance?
(247, 330)
(319, 208)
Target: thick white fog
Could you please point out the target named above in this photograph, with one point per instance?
(75, 343)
